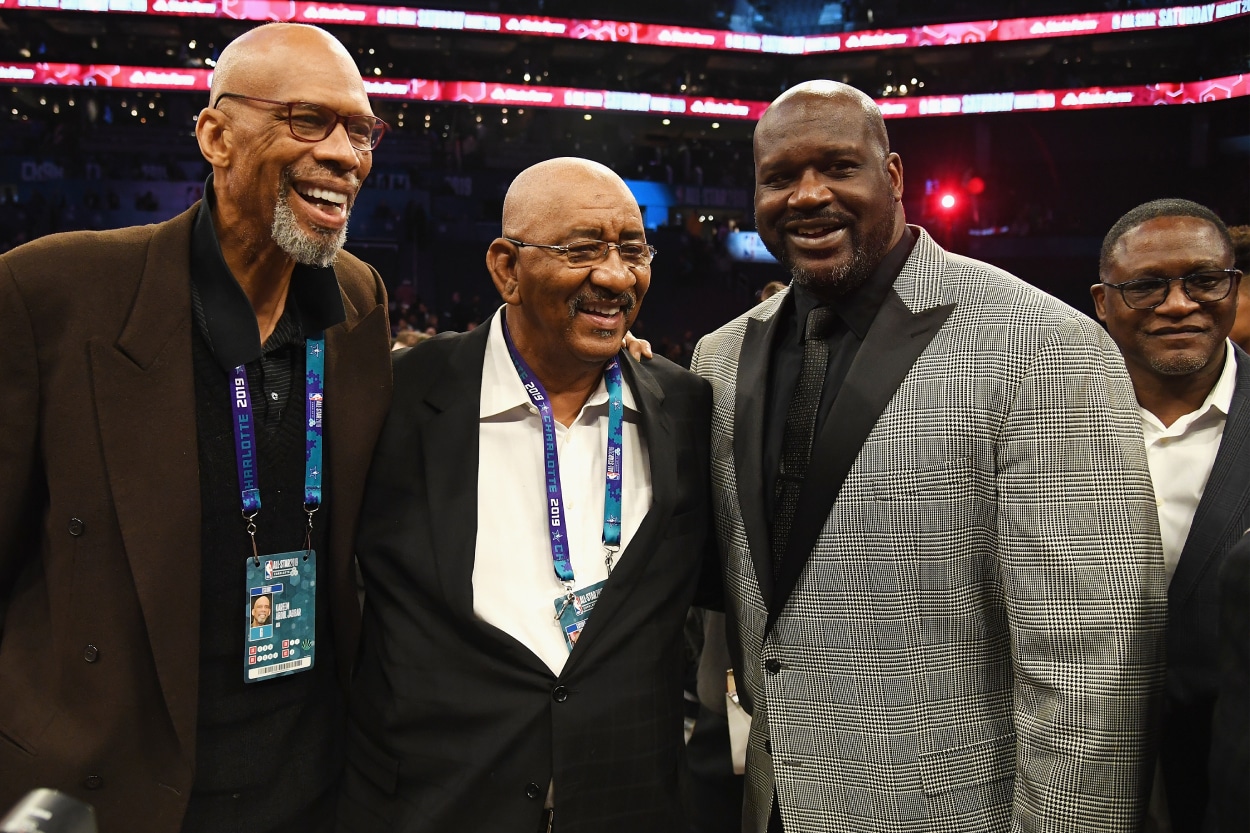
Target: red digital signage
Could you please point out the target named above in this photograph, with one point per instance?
(527, 95)
(942, 34)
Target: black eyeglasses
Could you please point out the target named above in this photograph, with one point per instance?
(1205, 287)
(314, 123)
(590, 252)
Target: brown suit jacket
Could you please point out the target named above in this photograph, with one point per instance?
(100, 511)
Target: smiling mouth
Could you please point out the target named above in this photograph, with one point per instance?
(324, 199)
(604, 314)
(814, 233)
(1185, 331)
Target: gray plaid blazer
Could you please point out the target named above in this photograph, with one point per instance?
(967, 631)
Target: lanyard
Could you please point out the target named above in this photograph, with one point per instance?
(245, 439)
(555, 496)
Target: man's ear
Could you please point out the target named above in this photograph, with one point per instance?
(213, 134)
(1099, 293)
(501, 262)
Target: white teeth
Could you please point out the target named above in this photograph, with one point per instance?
(601, 310)
(323, 194)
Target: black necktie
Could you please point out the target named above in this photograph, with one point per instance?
(796, 443)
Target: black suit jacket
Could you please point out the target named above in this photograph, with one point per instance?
(455, 725)
(100, 511)
(1194, 616)
(1230, 728)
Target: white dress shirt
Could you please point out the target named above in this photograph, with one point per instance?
(514, 580)
(1181, 456)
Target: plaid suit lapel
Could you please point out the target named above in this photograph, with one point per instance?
(895, 340)
(748, 440)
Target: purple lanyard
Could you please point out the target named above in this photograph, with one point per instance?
(245, 438)
(615, 463)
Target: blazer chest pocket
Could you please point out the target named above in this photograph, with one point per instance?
(938, 480)
(961, 767)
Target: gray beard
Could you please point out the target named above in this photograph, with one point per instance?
(1179, 365)
(318, 248)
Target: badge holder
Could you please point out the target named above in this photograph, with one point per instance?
(280, 612)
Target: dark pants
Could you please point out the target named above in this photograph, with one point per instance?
(713, 792)
(774, 819)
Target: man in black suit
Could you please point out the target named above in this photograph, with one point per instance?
(1168, 295)
(521, 666)
(1230, 728)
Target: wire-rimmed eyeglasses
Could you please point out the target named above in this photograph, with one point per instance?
(590, 252)
(314, 123)
(1205, 287)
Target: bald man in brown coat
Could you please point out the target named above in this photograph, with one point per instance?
(123, 588)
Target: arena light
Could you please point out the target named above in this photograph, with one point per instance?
(680, 37)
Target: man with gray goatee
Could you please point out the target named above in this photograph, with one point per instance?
(171, 395)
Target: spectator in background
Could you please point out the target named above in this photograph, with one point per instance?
(1240, 236)
(770, 289)
(407, 338)
(1168, 295)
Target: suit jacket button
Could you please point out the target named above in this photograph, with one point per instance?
(532, 790)
(772, 666)
(91, 653)
(75, 527)
(93, 782)
(559, 694)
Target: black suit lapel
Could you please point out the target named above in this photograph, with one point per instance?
(657, 429)
(895, 340)
(751, 391)
(357, 393)
(450, 450)
(1221, 516)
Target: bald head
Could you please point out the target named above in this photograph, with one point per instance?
(261, 60)
(544, 190)
(569, 301)
(828, 192)
(280, 194)
(845, 100)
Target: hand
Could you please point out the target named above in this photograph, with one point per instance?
(638, 348)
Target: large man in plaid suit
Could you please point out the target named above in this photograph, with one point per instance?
(946, 602)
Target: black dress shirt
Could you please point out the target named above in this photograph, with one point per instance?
(268, 753)
(854, 314)
(226, 321)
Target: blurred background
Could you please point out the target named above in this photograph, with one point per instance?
(1025, 128)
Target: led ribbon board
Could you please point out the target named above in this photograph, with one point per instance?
(119, 77)
(937, 34)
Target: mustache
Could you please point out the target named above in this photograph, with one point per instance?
(831, 215)
(627, 300)
(323, 173)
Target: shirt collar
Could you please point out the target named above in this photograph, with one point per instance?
(501, 386)
(1218, 402)
(858, 309)
(224, 313)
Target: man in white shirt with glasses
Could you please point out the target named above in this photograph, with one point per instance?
(1168, 296)
(533, 529)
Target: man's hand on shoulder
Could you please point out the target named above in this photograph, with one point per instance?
(639, 348)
